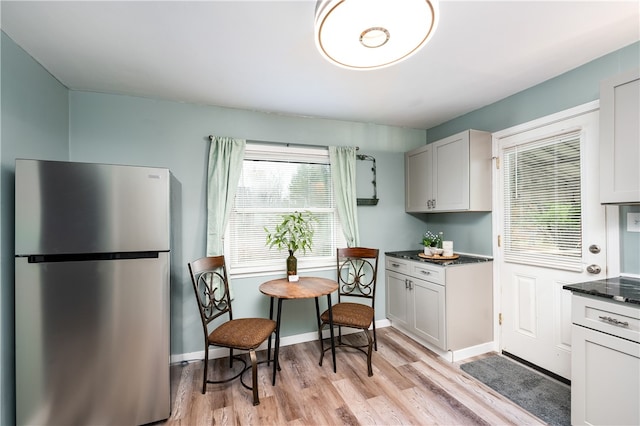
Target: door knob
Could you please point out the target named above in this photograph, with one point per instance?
(594, 248)
(594, 269)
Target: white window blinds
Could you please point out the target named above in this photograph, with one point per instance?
(542, 203)
(275, 181)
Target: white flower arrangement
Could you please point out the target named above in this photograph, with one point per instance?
(430, 239)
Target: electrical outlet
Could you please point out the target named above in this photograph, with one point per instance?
(633, 222)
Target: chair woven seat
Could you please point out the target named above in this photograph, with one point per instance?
(350, 315)
(243, 333)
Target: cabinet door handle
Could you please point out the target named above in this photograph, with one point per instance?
(614, 321)
(433, 203)
(425, 272)
(406, 283)
(410, 285)
(395, 265)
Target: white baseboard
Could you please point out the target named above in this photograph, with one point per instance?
(452, 356)
(472, 351)
(284, 341)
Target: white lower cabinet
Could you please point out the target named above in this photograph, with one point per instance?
(418, 306)
(447, 307)
(398, 301)
(605, 367)
(428, 312)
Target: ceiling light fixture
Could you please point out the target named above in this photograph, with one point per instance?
(370, 34)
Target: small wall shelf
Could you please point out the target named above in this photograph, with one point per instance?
(369, 201)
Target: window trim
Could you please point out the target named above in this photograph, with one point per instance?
(296, 154)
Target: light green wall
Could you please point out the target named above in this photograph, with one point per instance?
(129, 130)
(573, 88)
(471, 232)
(629, 243)
(35, 119)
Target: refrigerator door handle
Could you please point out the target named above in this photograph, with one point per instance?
(80, 257)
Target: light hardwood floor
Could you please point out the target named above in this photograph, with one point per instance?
(410, 386)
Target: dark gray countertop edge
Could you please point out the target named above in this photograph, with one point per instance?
(598, 288)
(603, 296)
(465, 259)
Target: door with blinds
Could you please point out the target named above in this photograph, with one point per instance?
(552, 232)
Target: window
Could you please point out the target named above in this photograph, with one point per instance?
(542, 212)
(274, 181)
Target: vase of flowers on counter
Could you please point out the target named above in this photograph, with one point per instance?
(432, 243)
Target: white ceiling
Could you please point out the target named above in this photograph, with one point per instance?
(260, 55)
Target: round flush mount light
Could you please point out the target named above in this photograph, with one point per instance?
(370, 34)
(374, 37)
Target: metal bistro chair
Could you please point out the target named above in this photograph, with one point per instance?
(210, 283)
(357, 275)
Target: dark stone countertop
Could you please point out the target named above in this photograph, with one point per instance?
(621, 289)
(462, 260)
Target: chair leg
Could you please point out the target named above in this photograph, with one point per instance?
(206, 366)
(230, 358)
(370, 369)
(375, 339)
(254, 376)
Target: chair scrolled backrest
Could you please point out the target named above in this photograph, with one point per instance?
(211, 287)
(357, 272)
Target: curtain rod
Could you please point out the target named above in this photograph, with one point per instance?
(211, 137)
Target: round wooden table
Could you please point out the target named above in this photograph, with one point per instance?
(304, 288)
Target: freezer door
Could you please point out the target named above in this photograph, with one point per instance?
(92, 342)
(64, 207)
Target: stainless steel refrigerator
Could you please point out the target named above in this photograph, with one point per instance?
(91, 293)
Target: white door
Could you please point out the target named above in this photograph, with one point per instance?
(552, 232)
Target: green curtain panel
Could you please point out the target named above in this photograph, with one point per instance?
(343, 174)
(225, 164)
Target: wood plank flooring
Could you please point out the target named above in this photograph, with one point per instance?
(410, 386)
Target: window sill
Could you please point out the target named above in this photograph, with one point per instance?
(279, 273)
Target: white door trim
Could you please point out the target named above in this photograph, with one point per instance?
(543, 121)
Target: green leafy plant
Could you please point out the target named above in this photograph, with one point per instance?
(294, 233)
(430, 239)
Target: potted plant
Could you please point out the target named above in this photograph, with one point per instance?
(294, 233)
(431, 240)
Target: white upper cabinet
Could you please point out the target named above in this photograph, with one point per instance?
(417, 180)
(452, 174)
(620, 139)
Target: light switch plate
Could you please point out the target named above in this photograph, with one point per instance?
(633, 222)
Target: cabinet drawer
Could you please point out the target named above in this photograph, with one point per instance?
(395, 264)
(425, 271)
(609, 317)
